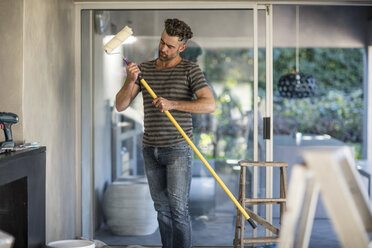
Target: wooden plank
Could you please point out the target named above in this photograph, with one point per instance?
(337, 197)
(359, 194)
(263, 222)
(308, 213)
(242, 220)
(283, 190)
(252, 201)
(295, 199)
(236, 240)
(261, 240)
(262, 164)
(284, 181)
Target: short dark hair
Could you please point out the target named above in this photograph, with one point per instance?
(175, 27)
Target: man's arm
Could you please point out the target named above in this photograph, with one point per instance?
(129, 90)
(204, 103)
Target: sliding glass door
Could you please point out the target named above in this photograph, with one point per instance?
(232, 46)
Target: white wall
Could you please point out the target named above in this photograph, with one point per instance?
(48, 104)
(37, 83)
(11, 54)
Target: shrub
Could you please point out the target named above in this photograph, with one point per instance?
(337, 113)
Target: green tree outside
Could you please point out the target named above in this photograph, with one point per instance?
(336, 109)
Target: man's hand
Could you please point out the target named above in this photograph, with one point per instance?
(203, 104)
(163, 104)
(132, 72)
(129, 90)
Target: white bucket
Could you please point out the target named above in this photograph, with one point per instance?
(71, 244)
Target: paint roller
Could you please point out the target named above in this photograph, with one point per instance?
(114, 43)
(119, 38)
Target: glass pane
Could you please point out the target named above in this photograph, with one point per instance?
(224, 51)
(333, 115)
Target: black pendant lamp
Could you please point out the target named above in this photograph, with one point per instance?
(297, 85)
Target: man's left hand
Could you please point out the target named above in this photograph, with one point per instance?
(162, 104)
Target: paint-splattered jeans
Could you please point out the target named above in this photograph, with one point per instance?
(168, 171)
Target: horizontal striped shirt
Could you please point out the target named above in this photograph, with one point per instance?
(178, 83)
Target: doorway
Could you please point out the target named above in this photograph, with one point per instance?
(234, 53)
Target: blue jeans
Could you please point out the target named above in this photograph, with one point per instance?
(168, 170)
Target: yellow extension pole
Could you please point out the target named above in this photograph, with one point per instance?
(205, 162)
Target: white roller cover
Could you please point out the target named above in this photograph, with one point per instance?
(118, 39)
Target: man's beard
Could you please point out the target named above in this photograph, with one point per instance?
(162, 56)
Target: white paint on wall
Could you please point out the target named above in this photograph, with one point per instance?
(48, 104)
(11, 55)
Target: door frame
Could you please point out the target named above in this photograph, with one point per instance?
(85, 198)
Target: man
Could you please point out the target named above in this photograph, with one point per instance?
(167, 156)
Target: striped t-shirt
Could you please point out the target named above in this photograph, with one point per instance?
(177, 83)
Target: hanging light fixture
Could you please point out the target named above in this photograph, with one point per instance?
(297, 85)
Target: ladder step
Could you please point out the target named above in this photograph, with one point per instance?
(264, 200)
(260, 240)
(262, 164)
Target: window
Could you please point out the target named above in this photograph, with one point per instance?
(336, 109)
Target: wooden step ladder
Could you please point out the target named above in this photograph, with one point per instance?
(330, 172)
(239, 239)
